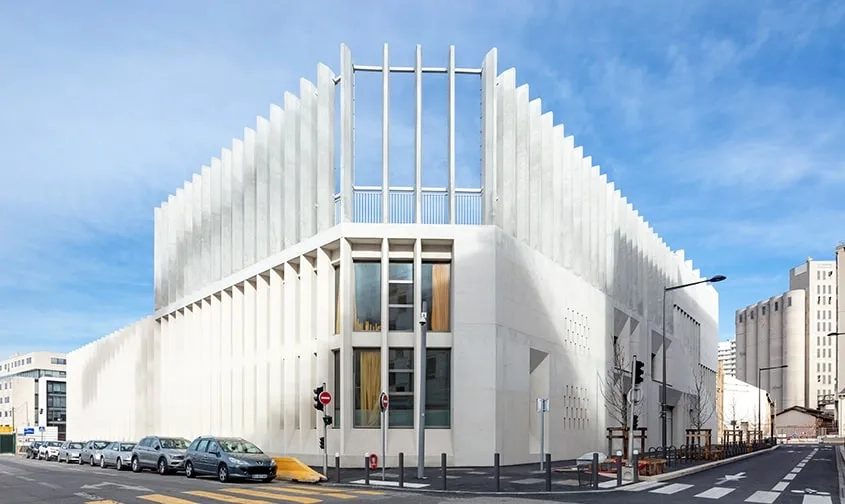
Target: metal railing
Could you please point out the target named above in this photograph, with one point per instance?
(367, 205)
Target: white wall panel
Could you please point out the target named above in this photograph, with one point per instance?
(276, 156)
(238, 205)
(557, 194)
(196, 233)
(238, 355)
(263, 399)
(216, 219)
(158, 255)
(546, 170)
(226, 213)
(218, 359)
(205, 227)
(534, 173)
(188, 257)
(307, 159)
(262, 189)
(227, 404)
(325, 149)
(249, 230)
(291, 170)
(250, 356)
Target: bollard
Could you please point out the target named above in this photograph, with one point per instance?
(618, 468)
(496, 473)
(548, 469)
(401, 469)
(366, 468)
(337, 467)
(635, 459)
(594, 470)
(443, 470)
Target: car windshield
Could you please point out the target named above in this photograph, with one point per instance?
(127, 447)
(99, 445)
(53, 443)
(75, 446)
(174, 444)
(238, 446)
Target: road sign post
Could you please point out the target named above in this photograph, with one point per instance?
(542, 409)
(325, 397)
(383, 402)
(422, 370)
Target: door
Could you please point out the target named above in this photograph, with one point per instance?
(670, 426)
(200, 457)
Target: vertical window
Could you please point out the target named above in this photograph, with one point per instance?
(401, 383)
(336, 389)
(337, 299)
(438, 387)
(789, 301)
(366, 369)
(764, 310)
(401, 297)
(436, 289)
(367, 296)
(776, 306)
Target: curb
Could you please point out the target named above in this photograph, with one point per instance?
(840, 470)
(704, 467)
(663, 477)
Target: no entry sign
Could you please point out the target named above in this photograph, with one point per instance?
(383, 401)
(325, 397)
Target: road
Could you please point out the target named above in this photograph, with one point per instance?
(792, 474)
(30, 481)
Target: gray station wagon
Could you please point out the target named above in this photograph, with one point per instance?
(164, 454)
(234, 458)
(117, 454)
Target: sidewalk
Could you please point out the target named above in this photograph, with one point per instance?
(513, 479)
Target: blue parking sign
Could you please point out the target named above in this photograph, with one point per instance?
(41, 428)
(27, 431)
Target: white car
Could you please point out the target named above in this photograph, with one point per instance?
(49, 450)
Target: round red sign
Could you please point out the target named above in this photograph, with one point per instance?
(325, 397)
(384, 400)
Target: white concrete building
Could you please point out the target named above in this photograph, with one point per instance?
(792, 329)
(33, 391)
(727, 356)
(741, 403)
(270, 280)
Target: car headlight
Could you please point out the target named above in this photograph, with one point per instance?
(272, 463)
(238, 461)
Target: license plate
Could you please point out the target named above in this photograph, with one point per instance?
(259, 476)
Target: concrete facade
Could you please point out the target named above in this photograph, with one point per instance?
(740, 404)
(257, 303)
(28, 394)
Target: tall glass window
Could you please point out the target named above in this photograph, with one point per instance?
(401, 377)
(438, 387)
(367, 296)
(366, 369)
(401, 296)
(436, 288)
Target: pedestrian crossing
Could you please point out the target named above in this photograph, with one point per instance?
(261, 495)
(718, 492)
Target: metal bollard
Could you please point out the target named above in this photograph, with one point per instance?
(594, 470)
(548, 469)
(496, 472)
(443, 470)
(366, 468)
(618, 468)
(401, 469)
(635, 460)
(337, 467)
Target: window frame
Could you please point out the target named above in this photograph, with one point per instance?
(392, 372)
(392, 307)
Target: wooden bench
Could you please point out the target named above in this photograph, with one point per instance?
(653, 466)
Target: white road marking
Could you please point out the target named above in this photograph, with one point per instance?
(643, 485)
(780, 487)
(789, 477)
(763, 497)
(817, 499)
(715, 493)
(671, 489)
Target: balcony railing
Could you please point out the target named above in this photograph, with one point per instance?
(367, 205)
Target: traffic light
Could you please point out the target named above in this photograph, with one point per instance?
(327, 420)
(322, 443)
(639, 371)
(636, 422)
(317, 404)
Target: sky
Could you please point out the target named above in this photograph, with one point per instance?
(719, 120)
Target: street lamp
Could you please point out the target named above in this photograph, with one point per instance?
(836, 380)
(713, 279)
(759, 398)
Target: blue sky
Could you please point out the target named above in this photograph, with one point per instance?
(721, 121)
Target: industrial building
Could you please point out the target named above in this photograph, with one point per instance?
(273, 275)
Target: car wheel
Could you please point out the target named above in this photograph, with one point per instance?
(91, 461)
(118, 464)
(102, 462)
(223, 473)
(136, 466)
(162, 466)
(80, 462)
(189, 469)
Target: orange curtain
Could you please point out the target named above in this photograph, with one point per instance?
(370, 367)
(440, 280)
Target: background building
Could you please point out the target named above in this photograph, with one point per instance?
(792, 329)
(33, 391)
(727, 356)
(267, 284)
(740, 406)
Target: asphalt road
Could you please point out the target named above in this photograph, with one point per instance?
(792, 474)
(25, 481)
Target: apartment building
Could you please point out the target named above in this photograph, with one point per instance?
(727, 356)
(791, 329)
(33, 391)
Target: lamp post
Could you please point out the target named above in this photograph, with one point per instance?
(713, 279)
(836, 380)
(759, 394)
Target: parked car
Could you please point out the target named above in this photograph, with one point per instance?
(32, 449)
(91, 452)
(71, 451)
(49, 450)
(117, 454)
(228, 458)
(165, 454)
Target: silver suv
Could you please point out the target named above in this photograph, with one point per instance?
(165, 454)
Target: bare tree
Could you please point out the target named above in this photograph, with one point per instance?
(702, 402)
(614, 386)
